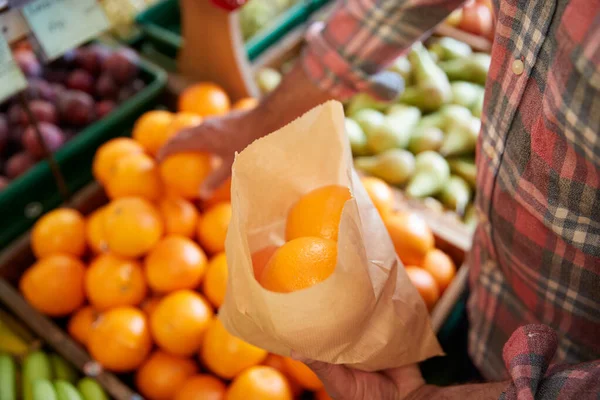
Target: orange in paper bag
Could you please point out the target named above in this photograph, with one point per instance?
(364, 312)
(317, 213)
(299, 264)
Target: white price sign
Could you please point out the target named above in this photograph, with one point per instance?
(60, 25)
(12, 79)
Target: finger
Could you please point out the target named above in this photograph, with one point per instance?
(407, 379)
(216, 178)
(338, 379)
(190, 139)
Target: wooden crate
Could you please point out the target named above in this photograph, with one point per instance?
(18, 257)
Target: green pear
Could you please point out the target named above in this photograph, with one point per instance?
(402, 67)
(425, 138)
(465, 168)
(267, 79)
(394, 166)
(396, 130)
(432, 88)
(456, 194)
(357, 138)
(431, 174)
(369, 120)
(470, 218)
(466, 94)
(472, 69)
(448, 48)
(364, 101)
(461, 137)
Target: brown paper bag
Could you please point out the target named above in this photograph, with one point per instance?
(366, 314)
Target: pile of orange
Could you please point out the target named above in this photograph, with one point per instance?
(430, 269)
(141, 278)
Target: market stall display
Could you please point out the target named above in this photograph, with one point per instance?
(87, 96)
(149, 264)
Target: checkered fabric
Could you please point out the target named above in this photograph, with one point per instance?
(536, 252)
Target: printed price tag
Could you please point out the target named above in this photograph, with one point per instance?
(13, 25)
(12, 79)
(60, 25)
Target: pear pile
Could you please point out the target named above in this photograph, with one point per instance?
(424, 142)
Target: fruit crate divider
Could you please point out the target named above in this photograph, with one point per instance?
(222, 58)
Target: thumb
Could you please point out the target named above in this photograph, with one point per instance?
(337, 379)
(197, 138)
(216, 178)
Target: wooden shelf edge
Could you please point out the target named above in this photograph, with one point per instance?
(478, 43)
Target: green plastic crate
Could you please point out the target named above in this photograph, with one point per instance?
(161, 24)
(35, 192)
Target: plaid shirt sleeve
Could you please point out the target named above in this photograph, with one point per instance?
(346, 54)
(528, 354)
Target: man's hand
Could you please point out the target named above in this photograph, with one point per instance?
(343, 383)
(221, 137)
(404, 383)
(225, 135)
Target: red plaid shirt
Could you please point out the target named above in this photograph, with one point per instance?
(536, 252)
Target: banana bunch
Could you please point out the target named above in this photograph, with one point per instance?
(15, 339)
(45, 376)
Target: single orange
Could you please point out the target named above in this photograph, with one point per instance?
(134, 175)
(181, 121)
(317, 213)
(222, 194)
(179, 215)
(212, 229)
(109, 153)
(214, 285)
(247, 103)
(112, 281)
(226, 355)
(149, 305)
(150, 130)
(322, 395)
(133, 226)
(425, 284)
(411, 236)
(81, 323)
(380, 193)
(175, 263)
(183, 173)
(260, 383)
(120, 340)
(277, 362)
(299, 264)
(180, 321)
(204, 99)
(441, 267)
(202, 387)
(61, 231)
(261, 258)
(302, 374)
(54, 285)
(162, 374)
(94, 231)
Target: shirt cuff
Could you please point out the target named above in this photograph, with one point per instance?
(332, 73)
